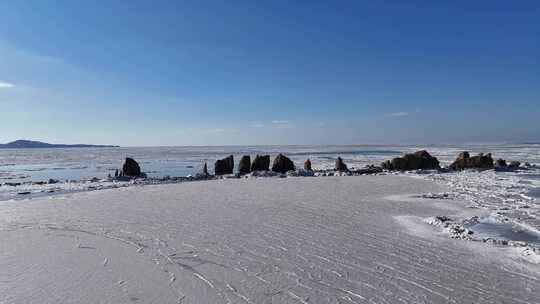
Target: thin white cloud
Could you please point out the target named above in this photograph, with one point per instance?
(398, 114)
(6, 85)
(280, 122)
(257, 125)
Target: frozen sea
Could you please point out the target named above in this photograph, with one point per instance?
(21, 165)
(511, 195)
(340, 239)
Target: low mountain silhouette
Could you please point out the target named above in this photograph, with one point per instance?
(26, 144)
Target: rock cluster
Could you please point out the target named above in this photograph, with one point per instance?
(261, 163)
(282, 164)
(244, 166)
(224, 166)
(501, 165)
(420, 160)
(465, 161)
(514, 164)
(369, 169)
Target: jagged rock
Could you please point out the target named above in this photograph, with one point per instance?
(261, 163)
(205, 170)
(224, 166)
(501, 163)
(131, 168)
(282, 164)
(465, 161)
(244, 167)
(420, 160)
(340, 165)
(307, 165)
(514, 164)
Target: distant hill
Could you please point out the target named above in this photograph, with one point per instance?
(26, 144)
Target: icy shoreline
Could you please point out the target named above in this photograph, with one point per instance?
(504, 194)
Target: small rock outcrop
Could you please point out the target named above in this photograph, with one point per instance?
(131, 168)
(244, 166)
(419, 160)
(340, 165)
(307, 165)
(501, 163)
(261, 163)
(224, 166)
(369, 169)
(205, 170)
(282, 164)
(514, 164)
(465, 161)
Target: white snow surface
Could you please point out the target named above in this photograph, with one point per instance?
(271, 240)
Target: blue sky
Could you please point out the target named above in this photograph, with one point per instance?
(269, 72)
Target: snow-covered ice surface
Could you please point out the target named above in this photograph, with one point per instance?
(358, 239)
(513, 211)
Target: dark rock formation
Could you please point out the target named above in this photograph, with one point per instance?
(205, 170)
(501, 163)
(131, 168)
(307, 165)
(465, 161)
(261, 163)
(370, 169)
(282, 164)
(244, 167)
(340, 165)
(224, 166)
(514, 164)
(420, 160)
